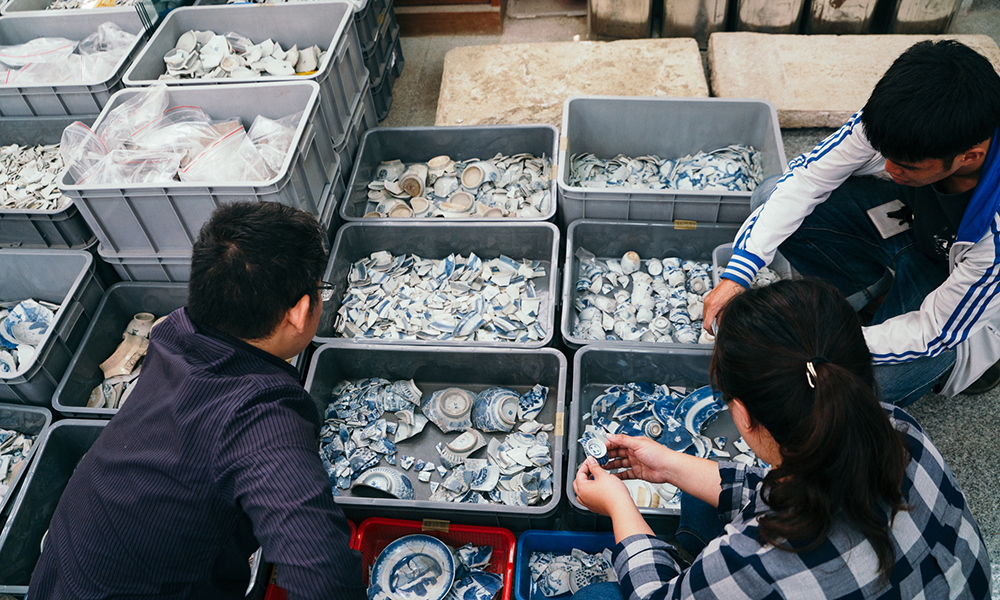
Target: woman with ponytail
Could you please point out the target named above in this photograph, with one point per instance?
(857, 503)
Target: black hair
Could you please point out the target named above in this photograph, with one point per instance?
(840, 454)
(253, 261)
(937, 100)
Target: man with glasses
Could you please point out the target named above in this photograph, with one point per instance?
(215, 452)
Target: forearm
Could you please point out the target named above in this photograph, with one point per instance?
(698, 477)
(627, 521)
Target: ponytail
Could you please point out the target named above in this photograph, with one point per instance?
(815, 394)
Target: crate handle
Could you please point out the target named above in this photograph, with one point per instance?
(70, 317)
(435, 525)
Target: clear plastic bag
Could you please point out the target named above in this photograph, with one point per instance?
(81, 150)
(185, 129)
(134, 166)
(38, 50)
(273, 138)
(109, 38)
(231, 158)
(117, 127)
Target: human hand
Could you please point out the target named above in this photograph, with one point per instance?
(716, 300)
(641, 457)
(598, 490)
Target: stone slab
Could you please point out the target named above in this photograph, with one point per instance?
(528, 83)
(814, 80)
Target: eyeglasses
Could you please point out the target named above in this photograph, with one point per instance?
(326, 291)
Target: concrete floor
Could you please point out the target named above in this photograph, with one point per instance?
(963, 428)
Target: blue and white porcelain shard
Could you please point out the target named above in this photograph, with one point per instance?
(495, 409)
(531, 403)
(476, 586)
(596, 448)
(473, 557)
(675, 436)
(385, 479)
(415, 567)
(450, 409)
(697, 409)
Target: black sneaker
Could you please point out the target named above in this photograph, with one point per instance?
(986, 382)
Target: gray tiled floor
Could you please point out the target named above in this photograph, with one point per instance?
(964, 428)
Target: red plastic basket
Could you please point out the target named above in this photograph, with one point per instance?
(273, 592)
(377, 533)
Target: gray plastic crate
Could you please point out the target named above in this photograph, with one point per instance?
(534, 241)
(362, 120)
(64, 277)
(29, 420)
(59, 451)
(382, 90)
(329, 218)
(59, 228)
(329, 25)
(160, 267)
(166, 217)
(378, 51)
(597, 367)
(433, 369)
(412, 144)
(120, 303)
(609, 239)
(369, 18)
(722, 254)
(668, 128)
(37, 100)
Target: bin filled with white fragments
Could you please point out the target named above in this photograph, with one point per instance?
(658, 393)
(665, 159)
(638, 282)
(472, 435)
(20, 428)
(478, 284)
(455, 173)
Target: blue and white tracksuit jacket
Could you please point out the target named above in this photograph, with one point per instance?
(962, 313)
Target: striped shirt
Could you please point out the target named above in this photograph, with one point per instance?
(940, 551)
(213, 454)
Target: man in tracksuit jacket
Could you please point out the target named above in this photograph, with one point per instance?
(919, 254)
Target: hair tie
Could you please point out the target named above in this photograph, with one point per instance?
(811, 369)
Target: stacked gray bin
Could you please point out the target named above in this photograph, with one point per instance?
(35, 100)
(149, 229)
(63, 277)
(29, 420)
(434, 368)
(59, 450)
(383, 51)
(29, 228)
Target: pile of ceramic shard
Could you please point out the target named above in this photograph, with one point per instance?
(557, 574)
(516, 469)
(86, 4)
(23, 326)
(471, 580)
(207, 55)
(142, 141)
(503, 186)
(648, 300)
(455, 298)
(14, 448)
(670, 415)
(121, 369)
(735, 168)
(64, 61)
(28, 177)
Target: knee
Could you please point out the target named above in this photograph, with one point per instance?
(763, 191)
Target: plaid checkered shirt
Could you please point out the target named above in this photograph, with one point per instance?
(940, 552)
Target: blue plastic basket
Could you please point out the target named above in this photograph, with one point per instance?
(559, 542)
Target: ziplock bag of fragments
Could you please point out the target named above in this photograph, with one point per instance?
(231, 158)
(60, 60)
(138, 142)
(273, 138)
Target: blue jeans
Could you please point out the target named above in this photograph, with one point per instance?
(839, 243)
